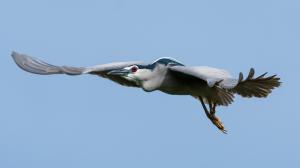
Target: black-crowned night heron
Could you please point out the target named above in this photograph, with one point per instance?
(211, 86)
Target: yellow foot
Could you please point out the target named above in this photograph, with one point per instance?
(218, 123)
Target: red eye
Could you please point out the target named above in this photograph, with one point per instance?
(134, 69)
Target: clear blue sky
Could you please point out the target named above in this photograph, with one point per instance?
(85, 121)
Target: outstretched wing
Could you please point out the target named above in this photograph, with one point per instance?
(216, 79)
(37, 66)
(260, 86)
(211, 76)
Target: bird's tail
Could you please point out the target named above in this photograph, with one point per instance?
(256, 87)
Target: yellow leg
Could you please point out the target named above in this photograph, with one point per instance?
(211, 115)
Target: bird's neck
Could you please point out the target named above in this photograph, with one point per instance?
(155, 79)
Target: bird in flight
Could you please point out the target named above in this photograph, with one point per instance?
(211, 86)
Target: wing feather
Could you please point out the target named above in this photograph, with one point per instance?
(216, 79)
(260, 86)
(36, 66)
(211, 75)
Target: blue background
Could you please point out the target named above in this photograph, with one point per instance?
(85, 121)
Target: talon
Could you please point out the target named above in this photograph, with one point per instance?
(217, 123)
(211, 115)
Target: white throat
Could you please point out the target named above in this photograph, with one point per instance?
(153, 79)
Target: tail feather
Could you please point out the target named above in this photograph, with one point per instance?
(256, 87)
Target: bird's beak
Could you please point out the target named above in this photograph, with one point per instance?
(119, 72)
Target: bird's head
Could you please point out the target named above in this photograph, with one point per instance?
(136, 73)
(150, 76)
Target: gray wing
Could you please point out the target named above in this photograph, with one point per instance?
(211, 76)
(37, 66)
(218, 80)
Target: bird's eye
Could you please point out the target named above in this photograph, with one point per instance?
(134, 69)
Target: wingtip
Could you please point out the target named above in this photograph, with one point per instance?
(18, 59)
(14, 54)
